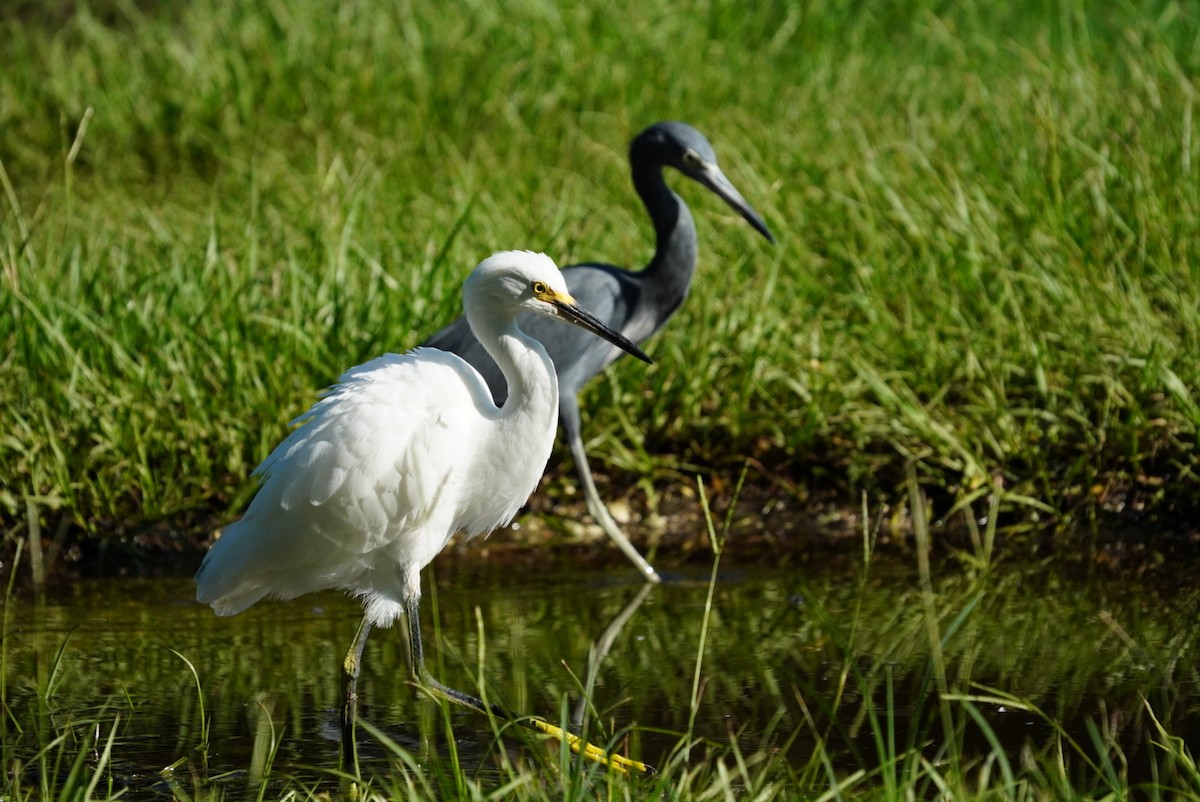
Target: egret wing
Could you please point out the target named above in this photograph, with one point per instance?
(366, 469)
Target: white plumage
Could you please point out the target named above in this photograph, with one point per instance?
(405, 451)
(371, 486)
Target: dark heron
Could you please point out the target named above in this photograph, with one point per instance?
(635, 304)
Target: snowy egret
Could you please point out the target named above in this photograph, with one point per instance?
(635, 304)
(405, 451)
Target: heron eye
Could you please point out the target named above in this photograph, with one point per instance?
(539, 288)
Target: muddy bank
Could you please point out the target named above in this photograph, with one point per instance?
(770, 524)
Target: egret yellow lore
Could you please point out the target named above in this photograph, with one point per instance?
(404, 452)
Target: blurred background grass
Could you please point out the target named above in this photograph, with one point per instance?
(987, 217)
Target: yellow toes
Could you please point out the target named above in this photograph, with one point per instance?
(590, 751)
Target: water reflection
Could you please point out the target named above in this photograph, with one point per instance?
(793, 660)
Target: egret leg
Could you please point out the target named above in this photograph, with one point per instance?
(569, 414)
(424, 679)
(351, 667)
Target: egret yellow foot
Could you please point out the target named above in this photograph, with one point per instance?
(589, 750)
(592, 752)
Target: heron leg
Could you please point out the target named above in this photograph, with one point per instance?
(422, 677)
(351, 667)
(569, 414)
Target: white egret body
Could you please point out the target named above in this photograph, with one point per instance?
(405, 451)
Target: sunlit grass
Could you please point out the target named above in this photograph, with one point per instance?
(987, 219)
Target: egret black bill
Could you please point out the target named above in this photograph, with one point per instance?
(569, 311)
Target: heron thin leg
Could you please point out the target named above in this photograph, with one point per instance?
(351, 667)
(424, 679)
(599, 512)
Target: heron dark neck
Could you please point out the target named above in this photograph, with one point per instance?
(669, 273)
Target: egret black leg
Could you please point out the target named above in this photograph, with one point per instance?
(351, 667)
(423, 678)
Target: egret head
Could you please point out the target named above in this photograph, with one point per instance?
(511, 282)
(506, 279)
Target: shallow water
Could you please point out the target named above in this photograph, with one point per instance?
(108, 656)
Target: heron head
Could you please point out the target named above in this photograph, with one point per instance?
(679, 145)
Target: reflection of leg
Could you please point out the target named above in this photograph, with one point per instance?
(599, 512)
(600, 650)
(351, 667)
(425, 680)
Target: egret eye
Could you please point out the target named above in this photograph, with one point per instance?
(539, 288)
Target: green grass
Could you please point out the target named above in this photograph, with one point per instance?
(987, 213)
(877, 683)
